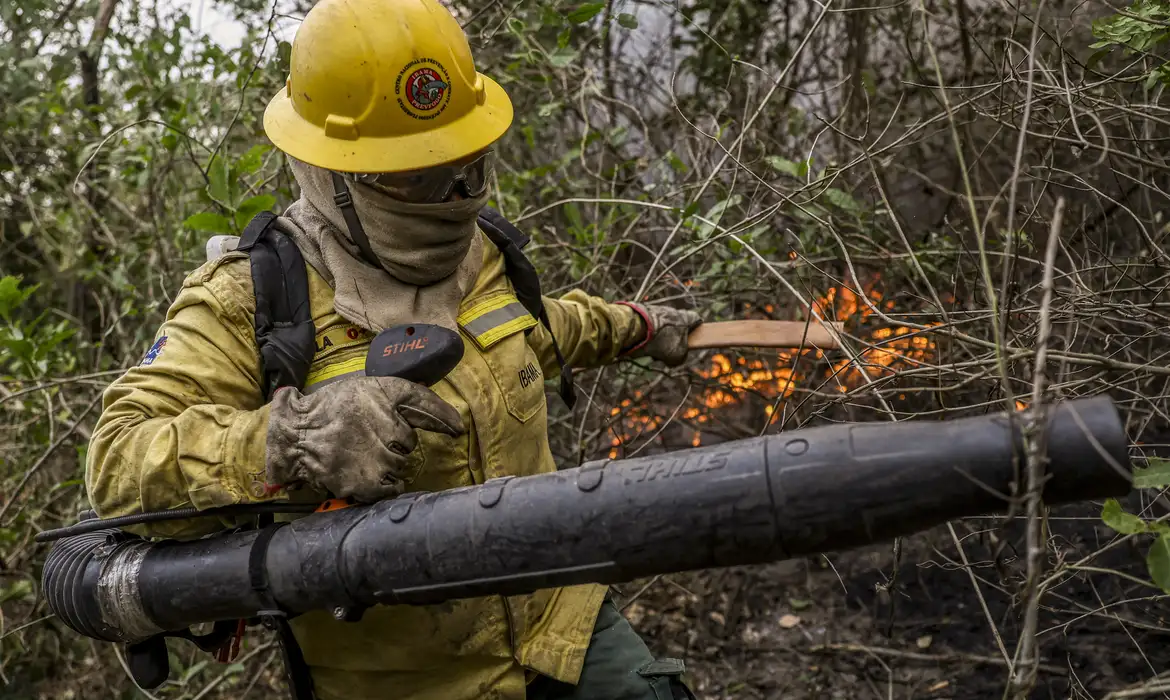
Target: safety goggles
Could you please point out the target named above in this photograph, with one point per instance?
(436, 184)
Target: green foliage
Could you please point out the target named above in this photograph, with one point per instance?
(29, 347)
(1140, 29)
(225, 189)
(1158, 558)
(562, 56)
(586, 12)
(842, 200)
(788, 167)
(1155, 475)
(12, 296)
(108, 185)
(210, 222)
(706, 227)
(1158, 561)
(1121, 521)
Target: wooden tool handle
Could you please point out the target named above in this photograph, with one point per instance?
(764, 334)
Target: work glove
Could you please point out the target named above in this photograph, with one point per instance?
(667, 329)
(351, 438)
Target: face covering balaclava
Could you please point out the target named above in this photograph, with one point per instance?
(428, 255)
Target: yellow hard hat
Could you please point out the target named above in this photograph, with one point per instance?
(384, 86)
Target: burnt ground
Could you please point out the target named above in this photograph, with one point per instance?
(849, 634)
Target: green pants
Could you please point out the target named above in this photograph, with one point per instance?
(618, 666)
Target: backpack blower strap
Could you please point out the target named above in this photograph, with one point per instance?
(510, 241)
(284, 326)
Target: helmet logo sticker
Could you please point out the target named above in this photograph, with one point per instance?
(423, 89)
(426, 89)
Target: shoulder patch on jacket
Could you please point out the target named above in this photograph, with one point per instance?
(491, 319)
(154, 351)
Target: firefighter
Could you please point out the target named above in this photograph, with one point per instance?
(389, 131)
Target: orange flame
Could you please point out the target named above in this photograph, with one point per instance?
(729, 379)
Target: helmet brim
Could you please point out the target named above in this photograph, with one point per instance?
(471, 133)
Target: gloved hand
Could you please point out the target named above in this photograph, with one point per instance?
(667, 329)
(352, 437)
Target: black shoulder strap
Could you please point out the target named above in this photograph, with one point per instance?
(284, 326)
(510, 241)
(344, 201)
(297, 674)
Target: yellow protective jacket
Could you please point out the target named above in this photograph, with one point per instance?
(187, 427)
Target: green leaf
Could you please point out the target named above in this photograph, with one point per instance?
(209, 221)
(1100, 53)
(715, 213)
(251, 161)
(72, 482)
(573, 214)
(19, 590)
(284, 56)
(627, 20)
(562, 57)
(1119, 520)
(12, 296)
(1158, 562)
(1151, 80)
(53, 340)
(219, 186)
(585, 12)
(194, 669)
(788, 167)
(252, 206)
(1163, 73)
(1155, 475)
(549, 17)
(841, 200)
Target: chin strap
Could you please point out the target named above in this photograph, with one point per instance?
(344, 201)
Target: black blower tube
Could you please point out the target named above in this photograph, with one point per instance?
(744, 502)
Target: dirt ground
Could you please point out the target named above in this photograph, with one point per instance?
(834, 628)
